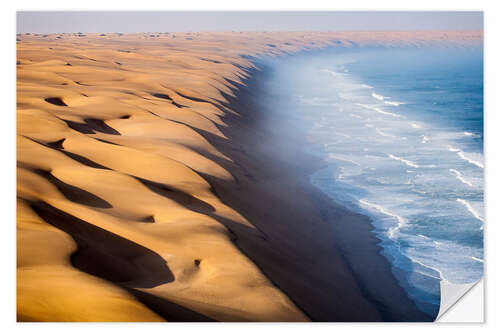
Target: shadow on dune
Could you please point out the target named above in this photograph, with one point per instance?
(169, 310)
(211, 60)
(194, 99)
(58, 145)
(90, 126)
(74, 193)
(106, 255)
(165, 96)
(55, 101)
(182, 198)
(84, 160)
(109, 142)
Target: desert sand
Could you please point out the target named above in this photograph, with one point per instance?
(145, 192)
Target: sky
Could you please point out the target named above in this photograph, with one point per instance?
(165, 21)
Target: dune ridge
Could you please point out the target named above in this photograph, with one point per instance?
(118, 218)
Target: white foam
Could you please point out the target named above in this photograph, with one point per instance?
(379, 110)
(424, 237)
(476, 259)
(393, 103)
(401, 220)
(424, 139)
(387, 113)
(460, 177)
(415, 125)
(469, 158)
(473, 158)
(332, 156)
(409, 163)
(470, 209)
(333, 73)
(366, 86)
(377, 96)
(341, 170)
(441, 275)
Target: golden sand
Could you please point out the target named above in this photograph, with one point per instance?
(115, 219)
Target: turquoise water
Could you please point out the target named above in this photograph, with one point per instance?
(401, 131)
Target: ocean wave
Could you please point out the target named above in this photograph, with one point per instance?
(387, 113)
(384, 99)
(472, 158)
(335, 157)
(409, 163)
(379, 110)
(415, 125)
(471, 134)
(470, 209)
(424, 139)
(377, 96)
(476, 259)
(393, 103)
(460, 177)
(341, 171)
(366, 86)
(469, 157)
(333, 73)
(401, 220)
(441, 275)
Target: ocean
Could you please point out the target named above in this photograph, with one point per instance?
(401, 133)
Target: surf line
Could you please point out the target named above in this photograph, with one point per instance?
(470, 209)
(401, 221)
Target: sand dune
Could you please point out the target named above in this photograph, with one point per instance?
(117, 219)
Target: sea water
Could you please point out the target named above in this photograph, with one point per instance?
(401, 131)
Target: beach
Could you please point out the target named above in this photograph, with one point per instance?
(153, 185)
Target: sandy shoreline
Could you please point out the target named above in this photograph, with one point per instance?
(147, 192)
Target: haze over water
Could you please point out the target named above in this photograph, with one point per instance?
(401, 131)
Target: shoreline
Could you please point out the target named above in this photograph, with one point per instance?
(353, 252)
